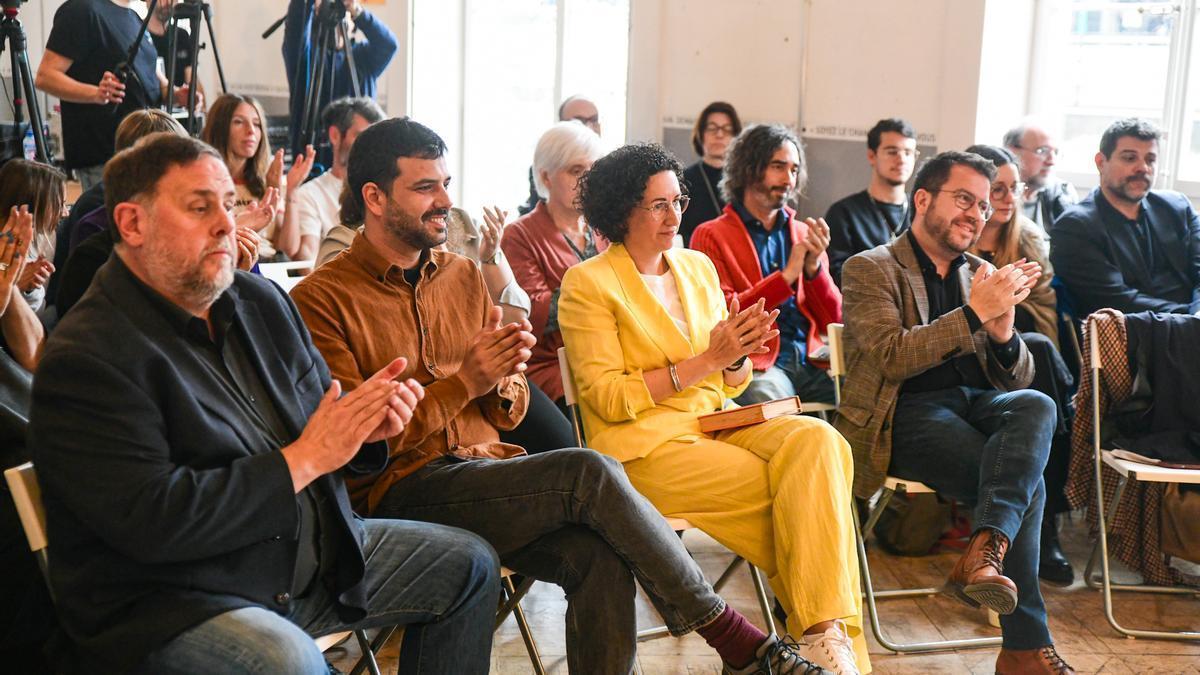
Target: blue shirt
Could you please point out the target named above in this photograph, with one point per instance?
(774, 246)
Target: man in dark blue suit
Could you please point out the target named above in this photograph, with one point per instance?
(1126, 246)
(189, 444)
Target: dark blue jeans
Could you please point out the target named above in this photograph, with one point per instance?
(987, 449)
(441, 583)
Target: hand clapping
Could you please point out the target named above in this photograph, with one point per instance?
(743, 332)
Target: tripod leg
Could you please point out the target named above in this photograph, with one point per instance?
(212, 40)
(12, 31)
(35, 113)
(348, 50)
(172, 54)
(195, 48)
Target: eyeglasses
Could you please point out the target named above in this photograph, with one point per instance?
(892, 152)
(726, 129)
(999, 190)
(659, 209)
(1042, 151)
(966, 201)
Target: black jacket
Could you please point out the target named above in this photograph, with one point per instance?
(163, 510)
(1096, 255)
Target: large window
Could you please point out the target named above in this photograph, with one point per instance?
(1097, 61)
(488, 76)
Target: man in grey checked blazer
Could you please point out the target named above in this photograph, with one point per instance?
(935, 393)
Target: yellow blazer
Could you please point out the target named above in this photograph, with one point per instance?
(615, 329)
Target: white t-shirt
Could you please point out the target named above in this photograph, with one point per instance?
(667, 292)
(318, 203)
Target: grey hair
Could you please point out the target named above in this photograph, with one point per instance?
(558, 146)
(1014, 136)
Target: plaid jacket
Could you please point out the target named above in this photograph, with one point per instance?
(889, 339)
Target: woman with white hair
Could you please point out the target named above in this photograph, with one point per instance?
(542, 244)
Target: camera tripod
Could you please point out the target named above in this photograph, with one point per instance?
(327, 28)
(195, 12)
(13, 34)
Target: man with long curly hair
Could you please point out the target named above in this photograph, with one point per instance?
(762, 250)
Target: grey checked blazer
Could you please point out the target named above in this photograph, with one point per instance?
(889, 339)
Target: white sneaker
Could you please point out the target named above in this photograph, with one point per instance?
(832, 650)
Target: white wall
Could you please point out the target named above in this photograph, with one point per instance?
(687, 53)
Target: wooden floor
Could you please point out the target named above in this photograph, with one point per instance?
(1077, 622)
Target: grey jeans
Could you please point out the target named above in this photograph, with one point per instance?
(570, 517)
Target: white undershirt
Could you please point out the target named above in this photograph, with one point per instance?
(664, 289)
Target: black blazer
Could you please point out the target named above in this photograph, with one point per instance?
(1096, 255)
(163, 510)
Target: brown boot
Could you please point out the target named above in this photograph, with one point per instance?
(1032, 662)
(977, 578)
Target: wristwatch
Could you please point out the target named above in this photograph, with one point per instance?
(737, 365)
(494, 260)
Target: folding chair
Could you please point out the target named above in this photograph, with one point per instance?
(680, 525)
(891, 485)
(281, 273)
(836, 365)
(1127, 471)
(27, 495)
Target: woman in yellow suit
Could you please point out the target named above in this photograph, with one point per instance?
(653, 347)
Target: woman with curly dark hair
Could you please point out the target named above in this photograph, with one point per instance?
(652, 349)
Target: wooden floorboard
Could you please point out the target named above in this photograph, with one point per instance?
(1077, 622)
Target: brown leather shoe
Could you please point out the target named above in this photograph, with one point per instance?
(977, 578)
(1032, 662)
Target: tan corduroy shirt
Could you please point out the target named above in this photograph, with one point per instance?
(363, 313)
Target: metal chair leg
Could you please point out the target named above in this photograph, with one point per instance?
(514, 598)
(764, 604)
(870, 595)
(1108, 587)
(369, 649)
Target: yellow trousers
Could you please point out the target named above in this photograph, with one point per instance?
(778, 494)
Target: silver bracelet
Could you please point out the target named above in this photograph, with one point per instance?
(674, 377)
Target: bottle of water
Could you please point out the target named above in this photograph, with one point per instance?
(30, 144)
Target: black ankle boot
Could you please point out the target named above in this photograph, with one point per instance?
(1053, 566)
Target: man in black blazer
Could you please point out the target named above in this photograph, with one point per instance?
(188, 442)
(1126, 246)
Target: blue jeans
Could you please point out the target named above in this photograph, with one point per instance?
(987, 449)
(572, 518)
(442, 584)
(790, 376)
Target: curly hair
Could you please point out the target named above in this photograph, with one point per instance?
(751, 152)
(617, 182)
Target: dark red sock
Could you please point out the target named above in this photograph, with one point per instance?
(735, 639)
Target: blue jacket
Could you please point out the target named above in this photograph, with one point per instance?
(371, 58)
(1095, 253)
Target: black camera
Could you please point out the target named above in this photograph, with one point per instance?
(330, 12)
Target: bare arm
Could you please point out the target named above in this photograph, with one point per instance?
(52, 78)
(22, 331)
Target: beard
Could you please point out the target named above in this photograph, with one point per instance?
(942, 231)
(186, 279)
(412, 231)
(1127, 190)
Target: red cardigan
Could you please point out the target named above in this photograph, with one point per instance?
(726, 241)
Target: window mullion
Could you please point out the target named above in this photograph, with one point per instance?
(1174, 107)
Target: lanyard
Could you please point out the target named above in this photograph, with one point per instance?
(899, 226)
